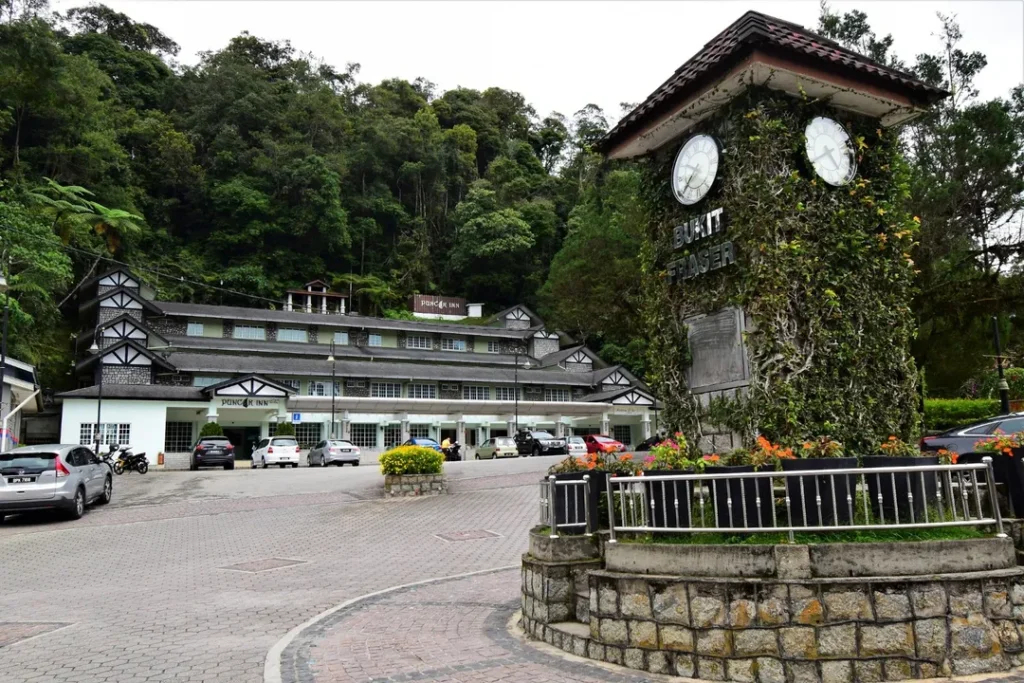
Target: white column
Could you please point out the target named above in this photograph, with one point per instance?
(288, 307)
(211, 413)
(405, 428)
(309, 303)
(606, 426)
(559, 426)
(346, 426)
(511, 425)
(646, 424)
(341, 305)
(460, 431)
(323, 305)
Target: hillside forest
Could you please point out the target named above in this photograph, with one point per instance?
(260, 167)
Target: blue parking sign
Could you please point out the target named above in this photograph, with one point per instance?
(296, 417)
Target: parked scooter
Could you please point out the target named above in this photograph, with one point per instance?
(127, 461)
(452, 452)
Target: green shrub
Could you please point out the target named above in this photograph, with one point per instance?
(411, 460)
(988, 385)
(285, 429)
(211, 429)
(946, 413)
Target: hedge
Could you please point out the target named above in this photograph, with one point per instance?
(211, 429)
(411, 460)
(285, 429)
(946, 413)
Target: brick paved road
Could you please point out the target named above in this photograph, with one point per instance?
(138, 592)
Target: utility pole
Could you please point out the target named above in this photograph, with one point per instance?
(1004, 388)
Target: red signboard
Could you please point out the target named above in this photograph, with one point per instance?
(438, 305)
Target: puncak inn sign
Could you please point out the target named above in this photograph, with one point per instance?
(703, 256)
(441, 305)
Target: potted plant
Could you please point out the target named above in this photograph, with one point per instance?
(670, 501)
(569, 503)
(821, 499)
(746, 502)
(891, 494)
(1007, 451)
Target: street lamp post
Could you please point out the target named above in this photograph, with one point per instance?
(526, 366)
(1004, 388)
(3, 358)
(95, 348)
(334, 385)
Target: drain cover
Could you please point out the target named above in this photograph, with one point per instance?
(13, 631)
(263, 565)
(473, 535)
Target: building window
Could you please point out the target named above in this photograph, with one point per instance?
(110, 433)
(561, 395)
(250, 332)
(474, 393)
(292, 334)
(493, 346)
(507, 394)
(453, 344)
(308, 433)
(392, 435)
(623, 433)
(419, 431)
(207, 381)
(177, 437)
(291, 383)
(194, 329)
(363, 435)
(385, 390)
(417, 342)
(422, 391)
(322, 389)
(375, 340)
(341, 338)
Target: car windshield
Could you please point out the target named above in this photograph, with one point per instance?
(504, 441)
(424, 442)
(284, 442)
(603, 438)
(30, 462)
(576, 439)
(214, 440)
(543, 435)
(340, 444)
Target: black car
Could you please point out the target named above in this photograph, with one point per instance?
(648, 444)
(962, 439)
(213, 451)
(540, 443)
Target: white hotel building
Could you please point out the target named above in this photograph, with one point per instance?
(168, 367)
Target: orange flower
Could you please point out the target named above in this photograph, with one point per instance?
(808, 445)
(954, 457)
(625, 456)
(712, 458)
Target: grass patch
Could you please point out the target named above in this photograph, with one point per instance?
(774, 538)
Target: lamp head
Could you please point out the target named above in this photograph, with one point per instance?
(95, 348)
(330, 358)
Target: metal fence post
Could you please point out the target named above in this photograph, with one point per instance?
(611, 511)
(586, 503)
(992, 496)
(553, 506)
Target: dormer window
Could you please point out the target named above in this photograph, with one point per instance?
(292, 334)
(451, 344)
(194, 329)
(417, 342)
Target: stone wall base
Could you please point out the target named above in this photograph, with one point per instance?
(557, 591)
(411, 485)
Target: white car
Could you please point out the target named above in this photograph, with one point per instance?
(577, 447)
(277, 450)
(498, 447)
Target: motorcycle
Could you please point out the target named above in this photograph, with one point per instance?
(127, 461)
(452, 452)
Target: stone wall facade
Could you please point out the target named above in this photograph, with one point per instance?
(578, 367)
(411, 485)
(544, 347)
(359, 388)
(228, 329)
(108, 313)
(532, 392)
(767, 629)
(181, 379)
(127, 374)
(449, 390)
(175, 326)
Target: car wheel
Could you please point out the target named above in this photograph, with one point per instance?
(536, 451)
(108, 492)
(77, 508)
(295, 464)
(192, 465)
(309, 462)
(323, 461)
(2, 518)
(229, 465)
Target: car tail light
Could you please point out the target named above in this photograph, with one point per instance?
(298, 449)
(270, 450)
(200, 447)
(230, 447)
(333, 450)
(62, 471)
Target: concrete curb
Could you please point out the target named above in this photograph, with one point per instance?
(272, 665)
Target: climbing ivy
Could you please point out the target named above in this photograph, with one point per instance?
(823, 274)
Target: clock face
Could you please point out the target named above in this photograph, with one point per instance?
(695, 169)
(830, 151)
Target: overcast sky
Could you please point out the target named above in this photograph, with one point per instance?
(559, 55)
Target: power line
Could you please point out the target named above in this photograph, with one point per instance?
(145, 269)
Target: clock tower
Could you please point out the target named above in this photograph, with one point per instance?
(778, 268)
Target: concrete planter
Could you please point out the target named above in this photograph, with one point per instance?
(572, 548)
(412, 485)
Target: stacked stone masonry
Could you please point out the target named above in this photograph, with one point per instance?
(411, 485)
(127, 374)
(769, 630)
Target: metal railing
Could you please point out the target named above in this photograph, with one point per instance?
(850, 499)
(565, 504)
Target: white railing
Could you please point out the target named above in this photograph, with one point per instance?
(848, 499)
(565, 504)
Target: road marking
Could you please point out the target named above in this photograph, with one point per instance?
(272, 666)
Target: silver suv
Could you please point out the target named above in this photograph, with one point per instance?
(62, 477)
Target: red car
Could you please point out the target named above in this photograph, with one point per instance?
(597, 443)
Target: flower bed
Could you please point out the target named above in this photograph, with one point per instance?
(413, 471)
